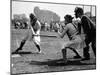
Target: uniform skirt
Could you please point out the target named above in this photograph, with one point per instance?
(29, 36)
(77, 42)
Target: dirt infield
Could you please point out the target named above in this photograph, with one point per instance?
(50, 60)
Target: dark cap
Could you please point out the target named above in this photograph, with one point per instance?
(78, 10)
(32, 15)
(68, 17)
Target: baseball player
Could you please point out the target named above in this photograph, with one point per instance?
(34, 34)
(75, 42)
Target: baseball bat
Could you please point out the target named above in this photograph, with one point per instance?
(46, 36)
(42, 34)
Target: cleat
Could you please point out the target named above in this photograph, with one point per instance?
(18, 49)
(40, 52)
(86, 59)
(15, 52)
(77, 57)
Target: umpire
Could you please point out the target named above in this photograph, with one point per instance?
(89, 29)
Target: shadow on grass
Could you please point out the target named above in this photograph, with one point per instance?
(25, 53)
(59, 62)
(21, 53)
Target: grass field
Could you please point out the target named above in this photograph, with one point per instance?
(46, 61)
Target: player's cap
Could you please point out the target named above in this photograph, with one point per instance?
(32, 15)
(68, 17)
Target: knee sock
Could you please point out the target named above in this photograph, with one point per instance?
(38, 47)
(75, 51)
(64, 53)
(21, 45)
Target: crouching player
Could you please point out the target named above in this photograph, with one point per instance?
(34, 34)
(75, 42)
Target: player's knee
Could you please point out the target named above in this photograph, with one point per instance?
(24, 40)
(36, 43)
(64, 46)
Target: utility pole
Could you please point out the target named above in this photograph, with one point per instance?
(91, 11)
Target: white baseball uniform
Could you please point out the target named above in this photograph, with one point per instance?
(36, 31)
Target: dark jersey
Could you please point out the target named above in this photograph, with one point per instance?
(87, 25)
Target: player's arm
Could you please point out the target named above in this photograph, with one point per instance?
(61, 34)
(39, 29)
(33, 32)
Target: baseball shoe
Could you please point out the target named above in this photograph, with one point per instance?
(77, 57)
(39, 52)
(16, 51)
(86, 59)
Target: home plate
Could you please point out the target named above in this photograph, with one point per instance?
(16, 55)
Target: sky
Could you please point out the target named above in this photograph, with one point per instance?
(60, 9)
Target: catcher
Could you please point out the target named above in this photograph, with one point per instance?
(75, 42)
